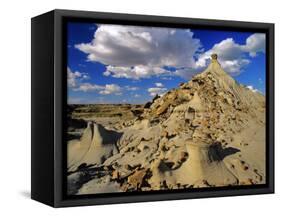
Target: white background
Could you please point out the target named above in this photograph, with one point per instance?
(15, 106)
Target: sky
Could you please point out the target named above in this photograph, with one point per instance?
(131, 64)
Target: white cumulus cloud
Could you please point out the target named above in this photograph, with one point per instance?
(252, 88)
(131, 88)
(159, 84)
(87, 87)
(156, 91)
(140, 52)
(232, 56)
(111, 89)
(134, 72)
(137, 95)
(255, 43)
(102, 89)
(76, 82)
(73, 78)
(159, 89)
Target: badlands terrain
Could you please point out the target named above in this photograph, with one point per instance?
(207, 132)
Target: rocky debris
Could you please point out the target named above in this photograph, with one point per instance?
(83, 174)
(136, 179)
(115, 174)
(75, 181)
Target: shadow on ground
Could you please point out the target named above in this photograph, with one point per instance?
(25, 194)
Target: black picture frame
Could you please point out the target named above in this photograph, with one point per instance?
(49, 93)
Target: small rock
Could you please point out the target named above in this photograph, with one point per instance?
(136, 179)
(115, 174)
(128, 167)
(164, 134)
(183, 156)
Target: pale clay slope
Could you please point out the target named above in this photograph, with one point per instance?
(208, 132)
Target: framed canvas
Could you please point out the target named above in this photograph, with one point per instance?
(134, 108)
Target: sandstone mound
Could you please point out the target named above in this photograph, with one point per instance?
(208, 132)
(96, 145)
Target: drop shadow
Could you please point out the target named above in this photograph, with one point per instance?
(25, 194)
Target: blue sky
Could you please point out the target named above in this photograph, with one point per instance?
(129, 64)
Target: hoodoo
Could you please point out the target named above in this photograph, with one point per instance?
(96, 145)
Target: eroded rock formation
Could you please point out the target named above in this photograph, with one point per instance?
(208, 132)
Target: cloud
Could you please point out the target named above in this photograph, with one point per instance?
(73, 78)
(140, 52)
(87, 87)
(135, 72)
(95, 100)
(159, 84)
(85, 77)
(71, 100)
(159, 89)
(252, 88)
(166, 78)
(156, 91)
(75, 82)
(131, 88)
(102, 89)
(232, 56)
(255, 43)
(111, 89)
(137, 95)
(187, 73)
